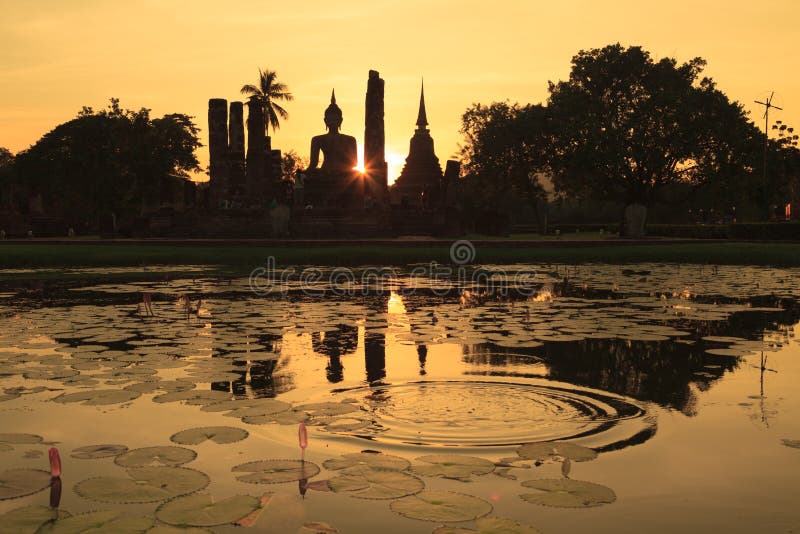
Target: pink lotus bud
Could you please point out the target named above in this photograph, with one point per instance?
(55, 463)
(302, 435)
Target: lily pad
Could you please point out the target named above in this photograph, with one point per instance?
(241, 408)
(217, 434)
(549, 450)
(376, 461)
(200, 510)
(567, 493)
(20, 439)
(316, 527)
(275, 471)
(168, 529)
(29, 518)
(193, 397)
(452, 466)
(368, 483)
(103, 521)
(491, 525)
(156, 457)
(146, 484)
(441, 506)
(20, 482)
(98, 397)
(92, 452)
(327, 409)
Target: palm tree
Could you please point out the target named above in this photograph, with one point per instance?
(267, 91)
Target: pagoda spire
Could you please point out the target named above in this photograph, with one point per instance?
(422, 117)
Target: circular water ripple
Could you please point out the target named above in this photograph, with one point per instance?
(475, 414)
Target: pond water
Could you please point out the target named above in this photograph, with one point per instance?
(590, 398)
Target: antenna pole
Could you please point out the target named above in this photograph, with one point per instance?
(767, 105)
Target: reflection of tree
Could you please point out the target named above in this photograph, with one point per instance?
(662, 372)
(668, 372)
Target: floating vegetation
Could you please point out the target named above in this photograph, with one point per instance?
(93, 452)
(8, 440)
(556, 450)
(98, 397)
(169, 529)
(102, 521)
(490, 525)
(452, 466)
(167, 456)
(21, 482)
(327, 409)
(441, 506)
(367, 482)
(567, 493)
(194, 397)
(145, 484)
(371, 460)
(316, 527)
(218, 434)
(275, 471)
(200, 510)
(29, 518)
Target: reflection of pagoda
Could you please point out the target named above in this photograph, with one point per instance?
(420, 183)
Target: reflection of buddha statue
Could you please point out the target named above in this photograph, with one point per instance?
(336, 181)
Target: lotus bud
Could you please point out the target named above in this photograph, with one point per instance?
(302, 435)
(55, 463)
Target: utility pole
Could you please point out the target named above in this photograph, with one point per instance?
(767, 105)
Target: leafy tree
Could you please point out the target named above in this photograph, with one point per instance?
(267, 91)
(112, 161)
(503, 151)
(624, 126)
(6, 169)
(290, 164)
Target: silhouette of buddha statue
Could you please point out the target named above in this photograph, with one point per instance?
(336, 182)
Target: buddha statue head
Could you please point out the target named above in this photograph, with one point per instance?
(333, 115)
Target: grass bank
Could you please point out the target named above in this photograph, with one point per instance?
(33, 255)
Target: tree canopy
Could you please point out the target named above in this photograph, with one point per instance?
(623, 128)
(109, 161)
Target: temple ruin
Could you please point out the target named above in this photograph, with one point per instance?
(331, 197)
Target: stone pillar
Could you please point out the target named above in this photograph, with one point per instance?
(256, 150)
(218, 150)
(236, 146)
(376, 170)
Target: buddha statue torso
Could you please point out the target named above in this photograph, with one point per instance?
(335, 182)
(339, 151)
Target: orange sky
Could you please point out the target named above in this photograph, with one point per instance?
(172, 56)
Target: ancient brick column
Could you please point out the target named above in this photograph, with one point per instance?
(374, 140)
(218, 150)
(236, 146)
(256, 150)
